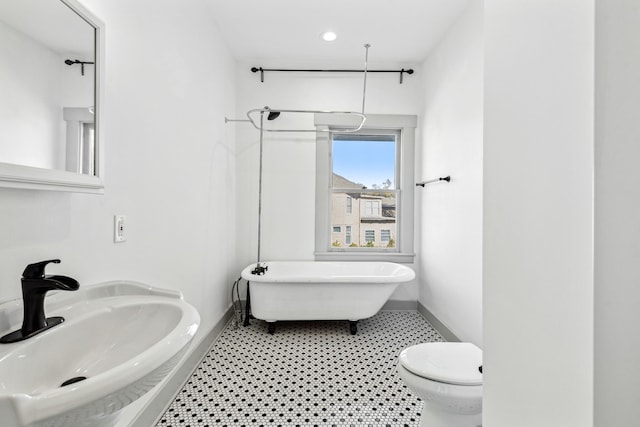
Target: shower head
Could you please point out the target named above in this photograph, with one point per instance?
(273, 115)
(70, 62)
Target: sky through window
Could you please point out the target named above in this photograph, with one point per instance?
(365, 162)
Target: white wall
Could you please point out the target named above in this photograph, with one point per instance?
(288, 209)
(450, 215)
(538, 221)
(170, 167)
(617, 213)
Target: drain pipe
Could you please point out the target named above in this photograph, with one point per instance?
(259, 269)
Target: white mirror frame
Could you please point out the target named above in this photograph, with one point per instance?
(32, 178)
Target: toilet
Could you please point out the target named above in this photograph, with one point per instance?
(447, 376)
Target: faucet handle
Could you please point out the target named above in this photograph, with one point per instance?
(36, 270)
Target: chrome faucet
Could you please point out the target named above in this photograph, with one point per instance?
(35, 285)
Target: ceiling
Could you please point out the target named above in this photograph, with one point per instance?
(51, 23)
(399, 31)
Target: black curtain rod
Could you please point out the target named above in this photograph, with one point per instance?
(262, 70)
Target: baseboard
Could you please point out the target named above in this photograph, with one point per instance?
(433, 320)
(154, 410)
(400, 305)
(437, 324)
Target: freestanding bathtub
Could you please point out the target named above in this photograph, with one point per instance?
(314, 290)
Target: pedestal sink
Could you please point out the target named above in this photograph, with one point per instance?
(118, 340)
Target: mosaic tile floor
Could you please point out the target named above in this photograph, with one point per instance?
(306, 374)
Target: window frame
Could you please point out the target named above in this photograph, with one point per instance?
(404, 252)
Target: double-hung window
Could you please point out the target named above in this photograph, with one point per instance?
(365, 183)
(370, 236)
(364, 168)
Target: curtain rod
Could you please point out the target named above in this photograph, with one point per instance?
(262, 71)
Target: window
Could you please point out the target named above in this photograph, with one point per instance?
(336, 229)
(363, 183)
(371, 208)
(364, 169)
(80, 140)
(369, 236)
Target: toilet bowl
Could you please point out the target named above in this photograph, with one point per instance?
(448, 379)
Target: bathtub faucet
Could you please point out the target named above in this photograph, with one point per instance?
(260, 269)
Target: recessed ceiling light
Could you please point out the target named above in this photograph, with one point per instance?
(329, 36)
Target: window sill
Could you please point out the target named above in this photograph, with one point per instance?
(406, 258)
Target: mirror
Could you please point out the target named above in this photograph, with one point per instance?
(50, 70)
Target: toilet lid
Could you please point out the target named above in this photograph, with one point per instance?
(447, 362)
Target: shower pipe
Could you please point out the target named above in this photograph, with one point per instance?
(261, 111)
(402, 71)
(274, 113)
(258, 268)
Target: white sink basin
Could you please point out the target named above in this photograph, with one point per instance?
(123, 337)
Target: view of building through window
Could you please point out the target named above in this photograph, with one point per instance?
(364, 191)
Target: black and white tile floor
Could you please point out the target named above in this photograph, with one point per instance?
(306, 374)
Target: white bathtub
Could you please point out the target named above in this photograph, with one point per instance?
(310, 290)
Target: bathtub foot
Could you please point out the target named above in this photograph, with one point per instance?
(353, 326)
(271, 327)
